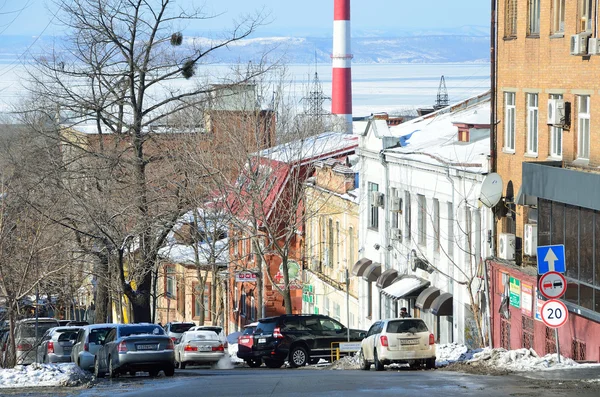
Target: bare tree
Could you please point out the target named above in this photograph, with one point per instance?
(119, 72)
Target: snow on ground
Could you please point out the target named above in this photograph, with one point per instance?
(233, 348)
(67, 374)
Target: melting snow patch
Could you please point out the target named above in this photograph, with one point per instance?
(67, 374)
(453, 352)
(520, 360)
(233, 349)
(346, 362)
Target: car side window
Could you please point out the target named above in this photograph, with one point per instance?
(330, 325)
(373, 329)
(312, 324)
(111, 336)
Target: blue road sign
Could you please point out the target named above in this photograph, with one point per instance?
(551, 258)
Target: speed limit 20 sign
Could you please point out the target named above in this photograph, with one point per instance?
(554, 313)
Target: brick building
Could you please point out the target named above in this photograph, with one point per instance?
(548, 108)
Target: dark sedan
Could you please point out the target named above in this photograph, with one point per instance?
(135, 347)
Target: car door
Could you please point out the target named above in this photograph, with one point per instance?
(332, 331)
(77, 347)
(43, 347)
(369, 341)
(102, 353)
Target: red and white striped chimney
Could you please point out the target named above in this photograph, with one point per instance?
(341, 102)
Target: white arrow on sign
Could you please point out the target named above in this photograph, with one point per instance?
(550, 258)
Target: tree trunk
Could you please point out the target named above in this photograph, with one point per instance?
(140, 299)
(102, 301)
(259, 279)
(213, 294)
(287, 297)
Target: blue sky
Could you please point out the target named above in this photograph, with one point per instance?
(287, 17)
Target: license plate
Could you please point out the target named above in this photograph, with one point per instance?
(409, 341)
(262, 340)
(146, 347)
(205, 348)
(67, 349)
(245, 340)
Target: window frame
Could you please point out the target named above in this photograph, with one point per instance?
(436, 225)
(422, 220)
(557, 26)
(510, 19)
(556, 136)
(585, 15)
(373, 223)
(533, 116)
(583, 135)
(510, 112)
(533, 18)
(170, 282)
(407, 216)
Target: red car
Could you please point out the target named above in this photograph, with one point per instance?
(245, 341)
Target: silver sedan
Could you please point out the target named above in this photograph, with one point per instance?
(199, 347)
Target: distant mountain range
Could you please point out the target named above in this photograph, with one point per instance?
(466, 44)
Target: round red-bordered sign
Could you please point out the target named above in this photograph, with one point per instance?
(554, 313)
(552, 285)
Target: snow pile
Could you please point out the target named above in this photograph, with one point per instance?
(233, 349)
(347, 362)
(453, 352)
(67, 374)
(519, 360)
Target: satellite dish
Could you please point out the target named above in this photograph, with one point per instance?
(491, 190)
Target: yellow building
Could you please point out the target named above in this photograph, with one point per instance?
(331, 242)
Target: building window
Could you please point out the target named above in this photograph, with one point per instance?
(171, 282)
(202, 301)
(337, 311)
(394, 215)
(235, 299)
(243, 304)
(510, 21)
(252, 308)
(369, 300)
(509, 121)
(583, 127)
(436, 225)
(556, 136)
(407, 215)
(558, 16)
(337, 243)
(450, 230)
(329, 252)
(351, 257)
(533, 28)
(532, 123)
(585, 15)
(373, 209)
(422, 220)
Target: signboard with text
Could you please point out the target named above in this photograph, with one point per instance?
(245, 277)
(526, 299)
(515, 292)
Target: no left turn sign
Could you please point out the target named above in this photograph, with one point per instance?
(554, 313)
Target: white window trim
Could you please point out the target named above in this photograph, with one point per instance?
(585, 115)
(558, 17)
(554, 133)
(533, 17)
(532, 120)
(510, 113)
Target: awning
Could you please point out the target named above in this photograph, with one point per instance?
(372, 272)
(359, 267)
(442, 305)
(386, 278)
(426, 298)
(405, 287)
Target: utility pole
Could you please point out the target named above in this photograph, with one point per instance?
(348, 304)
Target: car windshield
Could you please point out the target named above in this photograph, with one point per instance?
(181, 328)
(214, 329)
(248, 331)
(67, 336)
(141, 330)
(402, 326)
(28, 329)
(97, 335)
(266, 327)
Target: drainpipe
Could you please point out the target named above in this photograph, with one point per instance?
(386, 228)
(489, 304)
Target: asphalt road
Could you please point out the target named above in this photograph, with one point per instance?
(323, 382)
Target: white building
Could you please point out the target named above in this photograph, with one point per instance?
(423, 233)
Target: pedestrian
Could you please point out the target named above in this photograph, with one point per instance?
(404, 313)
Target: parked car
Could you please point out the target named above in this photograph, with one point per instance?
(175, 330)
(215, 328)
(245, 342)
(27, 340)
(89, 340)
(400, 340)
(135, 347)
(199, 347)
(56, 345)
(298, 338)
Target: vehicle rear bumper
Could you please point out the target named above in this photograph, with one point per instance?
(86, 360)
(405, 356)
(59, 358)
(246, 354)
(201, 357)
(146, 359)
(275, 354)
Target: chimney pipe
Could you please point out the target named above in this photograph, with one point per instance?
(341, 103)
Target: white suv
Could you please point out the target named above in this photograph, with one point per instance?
(399, 340)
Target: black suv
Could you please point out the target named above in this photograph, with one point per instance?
(298, 338)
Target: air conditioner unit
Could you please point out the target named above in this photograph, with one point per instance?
(530, 239)
(556, 111)
(594, 46)
(579, 43)
(396, 204)
(506, 246)
(396, 233)
(377, 199)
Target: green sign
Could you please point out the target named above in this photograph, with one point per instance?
(515, 292)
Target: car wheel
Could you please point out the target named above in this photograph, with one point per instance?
(169, 371)
(298, 357)
(364, 364)
(254, 362)
(112, 372)
(97, 371)
(153, 373)
(378, 364)
(430, 363)
(273, 363)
